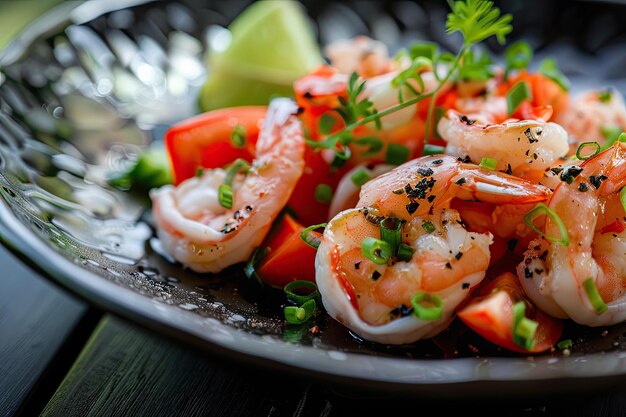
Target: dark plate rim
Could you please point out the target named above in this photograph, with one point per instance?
(417, 375)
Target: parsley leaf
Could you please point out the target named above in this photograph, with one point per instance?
(478, 20)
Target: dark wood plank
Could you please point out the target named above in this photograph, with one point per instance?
(35, 320)
(128, 371)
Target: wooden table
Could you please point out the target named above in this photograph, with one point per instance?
(61, 357)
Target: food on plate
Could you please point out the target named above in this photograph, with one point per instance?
(399, 193)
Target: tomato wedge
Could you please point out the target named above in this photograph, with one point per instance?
(204, 141)
(289, 258)
(490, 314)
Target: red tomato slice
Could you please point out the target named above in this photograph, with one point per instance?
(290, 258)
(490, 314)
(205, 140)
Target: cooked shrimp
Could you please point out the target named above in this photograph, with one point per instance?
(374, 300)
(207, 237)
(553, 272)
(522, 148)
(591, 113)
(361, 54)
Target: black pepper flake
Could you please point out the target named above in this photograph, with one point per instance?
(448, 265)
(529, 135)
(582, 187)
(459, 255)
(431, 198)
(527, 152)
(538, 271)
(400, 191)
(401, 311)
(357, 265)
(300, 110)
(570, 173)
(427, 172)
(228, 228)
(596, 181)
(543, 255)
(375, 275)
(556, 170)
(236, 215)
(467, 120)
(466, 159)
(308, 95)
(465, 285)
(534, 156)
(512, 244)
(528, 273)
(437, 162)
(509, 170)
(412, 207)
(249, 208)
(461, 181)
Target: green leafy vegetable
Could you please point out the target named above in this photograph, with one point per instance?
(151, 169)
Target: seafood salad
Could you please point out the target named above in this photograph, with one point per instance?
(398, 194)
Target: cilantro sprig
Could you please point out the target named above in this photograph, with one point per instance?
(476, 20)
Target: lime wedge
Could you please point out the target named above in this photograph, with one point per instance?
(272, 45)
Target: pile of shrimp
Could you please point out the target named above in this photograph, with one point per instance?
(546, 227)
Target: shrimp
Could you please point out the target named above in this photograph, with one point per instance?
(206, 237)
(374, 300)
(361, 54)
(592, 113)
(522, 148)
(553, 271)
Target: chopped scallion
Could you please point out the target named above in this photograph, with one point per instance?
(488, 163)
(541, 209)
(524, 329)
(377, 251)
(397, 154)
(565, 344)
(299, 292)
(518, 93)
(391, 232)
(323, 193)
(298, 315)
(426, 306)
(429, 227)
(360, 177)
(584, 145)
(405, 252)
(225, 196)
(433, 150)
(374, 145)
(599, 306)
(238, 136)
(605, 96)
(548, 68)
(309, 238)
(517, 56)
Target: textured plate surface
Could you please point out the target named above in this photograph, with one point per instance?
(80, 97)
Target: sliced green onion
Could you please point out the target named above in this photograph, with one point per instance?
(622, 137)
(405, 252)
(253, 263)
(239, 165)
(326, 123)
(595, 299)
(391, 232)
(605, 96)
(375, 145)
(428, 227)
(541, 209)
(360, 177)
(298, 315)
(611, 134)
(225, 196)
(524, 329)
(397, 154)
(517, 94)
(323, 193)
(199, 172)
(341, 156)
(309, 239)
(517, 56)
(238, 136)
(565, 344)
(427, 306)
(433, 150)
(295, 291)
(585, 145)
(377, 251)
(548, 68)
(622, 197)
(488, 163)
